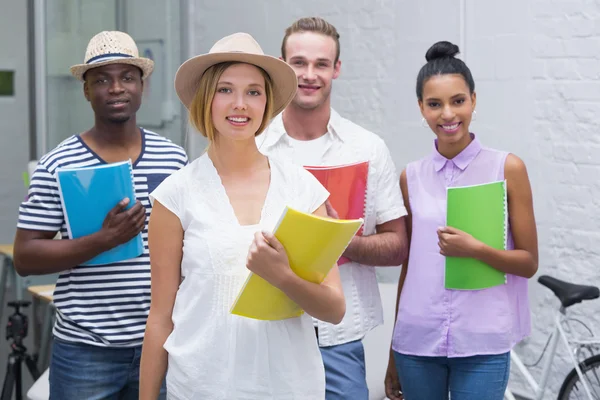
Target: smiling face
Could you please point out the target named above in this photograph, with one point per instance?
(114, 91)
(448, 106)
(239, 103)
(313, 58)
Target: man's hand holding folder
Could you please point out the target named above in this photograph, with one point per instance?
(122, 224)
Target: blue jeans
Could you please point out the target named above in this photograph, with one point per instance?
(81, 371)
(345, 376)
(465, 378)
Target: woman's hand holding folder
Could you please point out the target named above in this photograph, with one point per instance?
(267, 258)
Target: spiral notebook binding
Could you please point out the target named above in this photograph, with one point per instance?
(132, 180)
(364, 216)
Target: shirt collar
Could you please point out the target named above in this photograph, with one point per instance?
(462, 159)
(335, 125)
(276, 130)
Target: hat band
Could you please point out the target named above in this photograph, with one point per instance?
(107, 57)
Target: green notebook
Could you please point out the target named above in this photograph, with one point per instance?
(481, 211)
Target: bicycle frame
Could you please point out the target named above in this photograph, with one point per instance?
(557, 334)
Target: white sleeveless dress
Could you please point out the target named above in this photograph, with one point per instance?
(213, 354)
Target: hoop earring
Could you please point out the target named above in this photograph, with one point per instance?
(424, 123)
(474, 116)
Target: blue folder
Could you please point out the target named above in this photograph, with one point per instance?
(88, 194)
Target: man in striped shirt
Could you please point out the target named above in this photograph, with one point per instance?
(101, 310)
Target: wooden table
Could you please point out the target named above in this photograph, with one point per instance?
(42, 292)
(6, 249)
(7, 271)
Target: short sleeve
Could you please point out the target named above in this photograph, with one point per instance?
(171, 194)
(389, 204)
(186, 160)
(315, 193)
(42, 210)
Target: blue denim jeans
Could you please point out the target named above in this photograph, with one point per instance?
(464, 378)
(345, 376)
(80, 371)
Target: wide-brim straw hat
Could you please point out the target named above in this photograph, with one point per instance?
(239, 47)
(112, 47)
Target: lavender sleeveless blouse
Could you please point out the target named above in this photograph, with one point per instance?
(434, 321)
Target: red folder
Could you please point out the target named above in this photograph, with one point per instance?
(347, 185)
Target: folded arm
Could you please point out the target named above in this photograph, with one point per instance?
(387, 247)
(523, 259)
(324, 301)
(36, 253)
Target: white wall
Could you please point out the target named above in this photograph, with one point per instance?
(158, 21)
(565, 83)
(69, 25)
(535, 65)
(381, 52)
(14, 115)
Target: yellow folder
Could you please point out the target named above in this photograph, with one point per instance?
(313, 245)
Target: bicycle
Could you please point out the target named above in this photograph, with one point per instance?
(577, 384)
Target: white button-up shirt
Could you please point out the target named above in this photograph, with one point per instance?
(350, 143)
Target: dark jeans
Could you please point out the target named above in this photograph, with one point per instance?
(465, 378)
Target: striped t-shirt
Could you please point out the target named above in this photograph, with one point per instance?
(104, 305)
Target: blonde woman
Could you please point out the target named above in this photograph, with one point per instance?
(209, 229)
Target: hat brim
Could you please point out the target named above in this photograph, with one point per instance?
(145, 64)
(285, 83)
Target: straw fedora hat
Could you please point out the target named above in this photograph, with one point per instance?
(112, 47)
(239, 47)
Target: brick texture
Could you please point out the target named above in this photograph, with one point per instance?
(565, 82)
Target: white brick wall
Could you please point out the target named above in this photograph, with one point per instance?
(536, 66)
(565, 82)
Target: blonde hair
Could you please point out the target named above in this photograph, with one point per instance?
(316, 25)
(201, 106)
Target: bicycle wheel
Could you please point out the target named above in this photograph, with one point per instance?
(572, 388)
